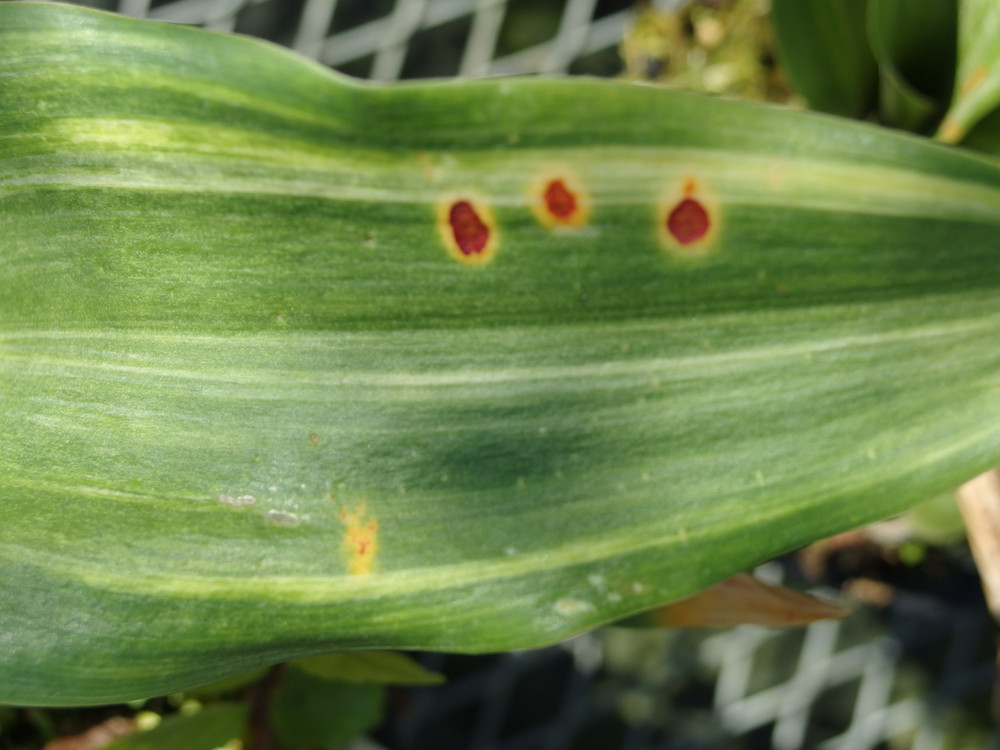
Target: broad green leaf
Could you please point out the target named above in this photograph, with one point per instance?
(914, 45)
(977, 81)
(369, 667)
(308, 711)
(210, 728)
(257, 403)
(824, 50)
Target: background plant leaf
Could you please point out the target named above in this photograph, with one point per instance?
(740, 600)
(977, 82)
(824, 50)
(253, 407)
(225, 686)
(914, 45)
(210, 728)
(369, 667)
(309, 711)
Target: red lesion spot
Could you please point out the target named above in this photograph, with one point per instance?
(558, 198)
(688, 219)
(688, 222)
(467, 230)
(470, 233)
(560, 201)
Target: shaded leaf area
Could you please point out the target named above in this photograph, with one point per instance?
(369, 667)
(258, 401)
(311, 711)
(825, 52)
(914, 45)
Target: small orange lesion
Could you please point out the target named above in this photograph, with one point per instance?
(360, 540)
(558, 198)
(467, 229)
(949, 131)
(973, 80)
(688, 219)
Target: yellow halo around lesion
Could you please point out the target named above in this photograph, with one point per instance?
(689, 196)
(558, 198)
(464, 241)
(360, 541)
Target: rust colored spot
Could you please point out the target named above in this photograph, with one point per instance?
(471, 234)
(950, 131)
(688, 222)
(314, 438)
(973, 80)
(467, 229)
(360, 540)
(559, 200)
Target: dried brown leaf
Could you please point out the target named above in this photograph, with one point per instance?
(744, 600)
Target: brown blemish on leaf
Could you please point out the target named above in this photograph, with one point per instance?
(743, 600)
(467, 229)
(360, 540)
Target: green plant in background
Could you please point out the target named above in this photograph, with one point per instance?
(290, 364)
(715, 47)
(930, 67)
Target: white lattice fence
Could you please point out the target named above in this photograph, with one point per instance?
(323, 29)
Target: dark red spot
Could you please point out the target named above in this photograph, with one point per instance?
(471, 234)
(688, 222)
(559, 200)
